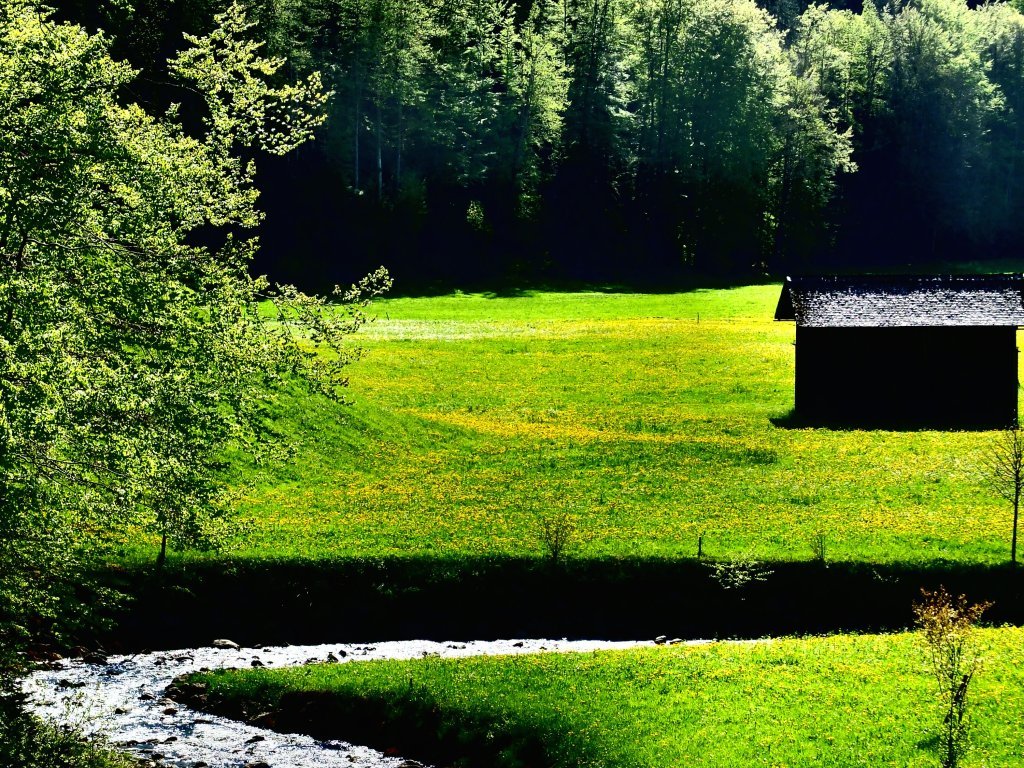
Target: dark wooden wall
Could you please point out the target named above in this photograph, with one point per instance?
(907, 377)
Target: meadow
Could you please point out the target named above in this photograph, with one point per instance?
(654, 421)
(649, 419)
(841, 701)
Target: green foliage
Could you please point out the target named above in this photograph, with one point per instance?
(131, 357)
(502, 100)
(837, 701)
(557, 532)
(26, 742)
(739, 573)
(594, 46)
(930, 89)
(730, 120)
(243, 111)
(697, 134)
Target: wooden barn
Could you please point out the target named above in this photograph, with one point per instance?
(906, 351)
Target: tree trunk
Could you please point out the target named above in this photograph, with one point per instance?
(162, 557)
(399, 145)
(1013, 541)
(380, 159)
(356, 121)
(663, 96)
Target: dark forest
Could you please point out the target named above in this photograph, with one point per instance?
(475, 142)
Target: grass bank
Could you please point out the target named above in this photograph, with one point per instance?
(832, 701)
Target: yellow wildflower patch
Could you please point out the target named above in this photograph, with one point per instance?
(653, 420)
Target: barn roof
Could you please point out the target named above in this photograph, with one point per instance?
(903, 301)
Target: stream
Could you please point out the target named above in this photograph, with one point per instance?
(123, 701)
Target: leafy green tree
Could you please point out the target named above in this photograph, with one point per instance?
(520, 143)
(924, 86)
(736, 147)
(533, 91)
(1000, 41)
(593, 172)
(133, 355)
(657, 27)
(658, 135)
(734, 63)
(847, 56)
(814, 146)
(939, 101)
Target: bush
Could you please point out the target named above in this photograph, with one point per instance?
(947, 627)
(558, 530)
(27, 742)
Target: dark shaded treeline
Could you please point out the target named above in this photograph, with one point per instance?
(642, 140)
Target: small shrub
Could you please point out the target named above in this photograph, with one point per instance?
(557, 532)
(947, 629)
(736, 574)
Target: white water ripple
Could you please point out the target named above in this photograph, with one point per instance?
(124, 701)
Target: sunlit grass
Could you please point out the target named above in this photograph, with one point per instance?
(649, 417)
(832, 701)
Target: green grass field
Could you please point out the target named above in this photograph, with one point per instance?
(832, 701)
(648, 417)
(653, 419)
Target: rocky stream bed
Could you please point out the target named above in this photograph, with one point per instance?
(124, 700)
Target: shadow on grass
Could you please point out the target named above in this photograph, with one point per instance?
(409, 721)
(355, 600)
(874, 423)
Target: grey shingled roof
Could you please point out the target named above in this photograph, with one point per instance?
(903, 301)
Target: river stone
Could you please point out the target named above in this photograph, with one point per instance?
(263, 720)
(230, 645)
(661, 639)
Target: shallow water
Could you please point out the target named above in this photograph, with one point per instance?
(123, 701)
